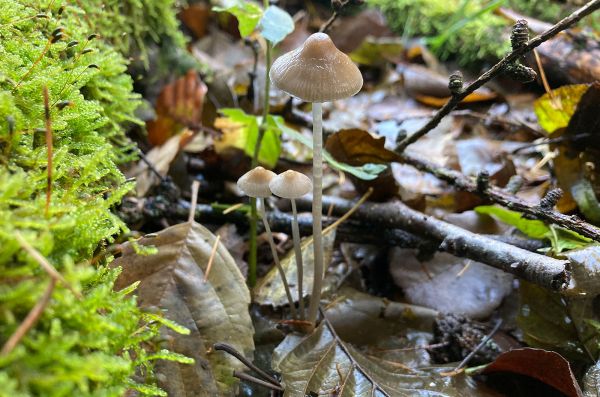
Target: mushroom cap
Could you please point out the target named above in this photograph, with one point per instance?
(255, 183)
(316, 72)
(290, 184)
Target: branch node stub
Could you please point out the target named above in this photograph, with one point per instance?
(483, 181)
(455, 83)
(550, 199)
(519, 35)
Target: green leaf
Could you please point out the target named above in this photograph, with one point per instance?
(240, 130)
(275, 24)
(247, 13)
(376, 51)
(532, 228)
(366, 172)
(554, 112)
(561, 239)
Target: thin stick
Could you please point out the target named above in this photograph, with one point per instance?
(256, 381)
(504, 198)
(49, 149)
(497, 69)
(43, 262)
(211, 259)
(261, 207)
(194, 201)
(32, 317)
(298, 253)
(230, 350)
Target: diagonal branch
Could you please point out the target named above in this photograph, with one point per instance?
(504, 198)
(498, 69)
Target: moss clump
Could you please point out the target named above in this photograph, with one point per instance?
(455, 28)
(467, 31)
(130, 24)
(79, 347)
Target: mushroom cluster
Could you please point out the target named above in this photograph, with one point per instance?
(260, 183)
(317, 72)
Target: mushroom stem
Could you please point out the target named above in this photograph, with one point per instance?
(315, 297)
(261, 209)
(298, 252)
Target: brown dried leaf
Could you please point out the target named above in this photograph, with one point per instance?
(172, 281)
(178, 105)
(546, 366)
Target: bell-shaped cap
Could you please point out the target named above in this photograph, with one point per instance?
(290, 184)
(255, 183)
(316, 72)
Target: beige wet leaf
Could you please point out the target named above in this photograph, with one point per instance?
(270, 291)
(323, 364)
(171, 281)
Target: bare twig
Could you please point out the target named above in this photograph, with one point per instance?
(504, 198)
(349, 231)
(337, 8)
(542, 270)
(497, 69)
(32, 317)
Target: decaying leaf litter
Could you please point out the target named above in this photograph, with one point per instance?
(460, 210)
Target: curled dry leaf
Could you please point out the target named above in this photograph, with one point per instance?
(215, 311)
(323, 364)
(358, 148)
(431, 88)
(178, 105)
(546, 366)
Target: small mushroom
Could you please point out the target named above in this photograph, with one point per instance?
(292, 185)
(317, 72)
(255, 183)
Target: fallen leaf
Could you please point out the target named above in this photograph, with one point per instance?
(424, 84)
(172, 281)
(196, 17)
(322, 363)
(450, 284)
(161, 158)
(377, 51)
(555, 110)
(546, 366)
(357, 148)
(351, 31)
(578, 160)
(179, 105)
(546, 323)
(269, 290)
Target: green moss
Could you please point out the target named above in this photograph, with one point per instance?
(465, 30)
(79, 347)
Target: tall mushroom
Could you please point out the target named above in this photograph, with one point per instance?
(317, 72)
(292, 185)
(255, 183)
